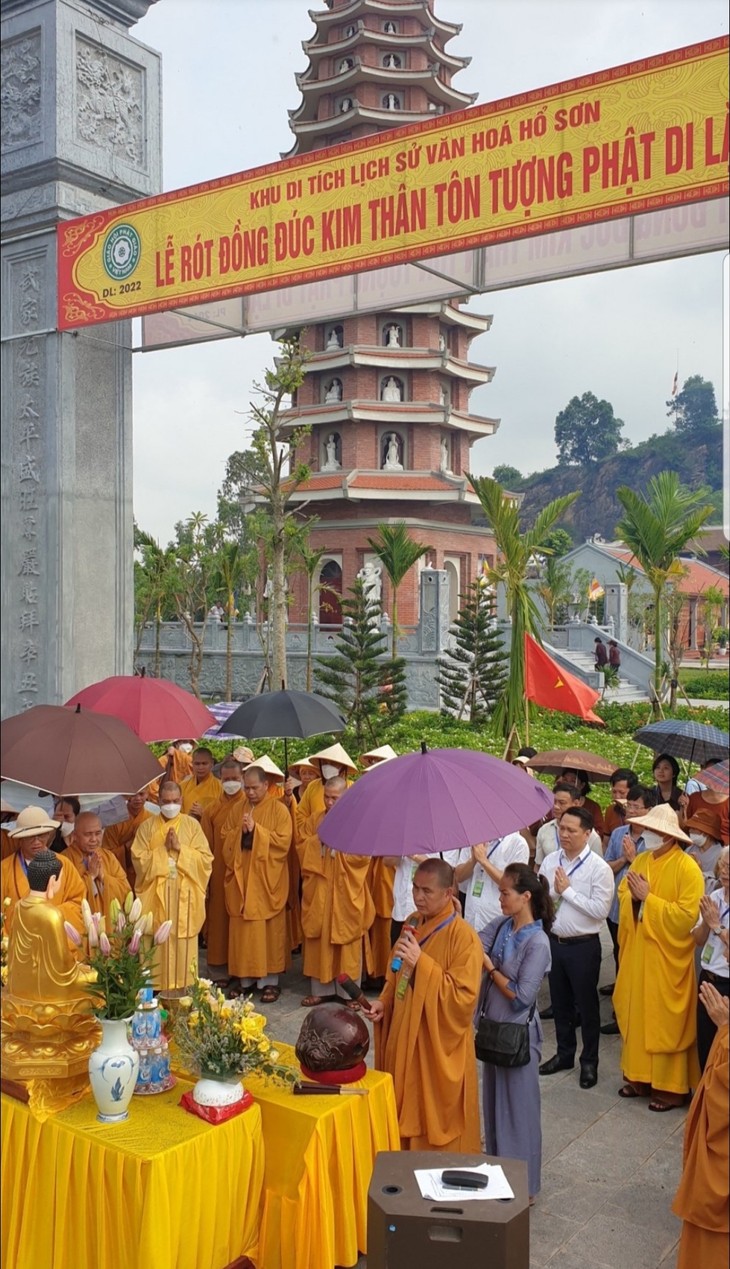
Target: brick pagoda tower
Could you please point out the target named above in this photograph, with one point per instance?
(387, 394)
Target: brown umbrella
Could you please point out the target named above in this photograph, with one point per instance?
(73, 752)
(553, 761)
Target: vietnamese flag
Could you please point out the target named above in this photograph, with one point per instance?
(552, 687)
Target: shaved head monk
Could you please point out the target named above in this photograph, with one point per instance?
(201, 789)
(423, 1034)
(103, 877)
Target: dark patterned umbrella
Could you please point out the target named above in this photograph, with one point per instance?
(717, 777)
(695, 742)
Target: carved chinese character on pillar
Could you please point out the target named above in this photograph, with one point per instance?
(28, 493)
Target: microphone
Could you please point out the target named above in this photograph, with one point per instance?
(350, 987)
(410, 924)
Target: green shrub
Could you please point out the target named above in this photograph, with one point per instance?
(707, 685)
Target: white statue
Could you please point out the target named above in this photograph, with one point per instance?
(345, 105)
(390, 28)
(331, 463)
(442, 342)
(393, 336)
(444, 395)
(391, 390)
(334, 391)
(334, 340)
(372, 584)
(392, 454)
(391, 102)
(445, 457)
(345, 65)
(392, 62)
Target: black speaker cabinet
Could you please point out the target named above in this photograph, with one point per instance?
(406, 1230)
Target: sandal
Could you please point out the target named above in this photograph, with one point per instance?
(269, 995)
(628, 1090)
(660, 1106)
(309, 1002)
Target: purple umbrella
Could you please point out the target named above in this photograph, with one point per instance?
(438, 799)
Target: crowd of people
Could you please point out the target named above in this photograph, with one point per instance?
(232, 854)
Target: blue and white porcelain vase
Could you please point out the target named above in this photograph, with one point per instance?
(113, 1069)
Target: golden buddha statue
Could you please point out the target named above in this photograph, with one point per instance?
(48, 1029)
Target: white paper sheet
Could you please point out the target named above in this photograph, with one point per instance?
(429, 1183)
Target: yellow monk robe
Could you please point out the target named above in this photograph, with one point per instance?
(118, 839)
(68, 896)
(293, 906)
(702, 1198)
(256, 889)
(180, 900)
(207, 793)
(216, 915)
(336, 909)
(312, 803)
(181, 766)
(111, 884)
(426, 1040)
(377, 942)
(655, 993)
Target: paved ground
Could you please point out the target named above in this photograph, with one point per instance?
(610, 1167)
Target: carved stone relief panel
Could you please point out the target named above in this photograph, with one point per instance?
(20, 122)
(110, 102)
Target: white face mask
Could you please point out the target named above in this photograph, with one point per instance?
(329, 771)
(170, 810)
(67, 829)
(185, 748)
(653, 841)
(152, 808)
(231, 787)
(697, 838)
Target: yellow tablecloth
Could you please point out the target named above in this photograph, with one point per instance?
(163, 1190)
(320, 1153)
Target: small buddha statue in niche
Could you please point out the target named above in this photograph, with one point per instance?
(48, 1028)
(334, 391)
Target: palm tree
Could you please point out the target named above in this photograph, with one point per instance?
(515, 550)
(229, 564)
(657, 526)
(397, 553)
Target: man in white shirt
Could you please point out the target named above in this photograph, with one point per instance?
(581, 887)
(481, 868)
(564, 795)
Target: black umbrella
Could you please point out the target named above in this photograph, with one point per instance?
(283, 715)
(684, 738)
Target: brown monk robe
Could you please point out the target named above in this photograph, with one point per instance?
(377, 942)
(425, 1039)
(256, 838)
(215, 930)
(702, 1198)
(336, 906)
(32, 833)
(104, 879)
(118, 838)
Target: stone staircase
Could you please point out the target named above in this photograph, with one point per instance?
(624, 694)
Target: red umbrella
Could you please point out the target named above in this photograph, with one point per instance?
(152, 708)
(67, 751)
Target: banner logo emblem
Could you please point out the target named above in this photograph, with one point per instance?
(121, 253)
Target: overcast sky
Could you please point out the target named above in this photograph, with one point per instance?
(228, 71)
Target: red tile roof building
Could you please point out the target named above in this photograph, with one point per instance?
(387, 394)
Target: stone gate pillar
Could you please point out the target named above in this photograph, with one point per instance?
(80, 133)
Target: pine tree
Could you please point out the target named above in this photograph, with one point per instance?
(394, 689)
(472, 675)
(354, 675)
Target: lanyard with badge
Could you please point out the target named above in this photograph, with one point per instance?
(478, 886)
(713, 938)
(578, 864)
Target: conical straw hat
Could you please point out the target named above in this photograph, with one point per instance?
(268, 766)
(375, 756)
(334, 754)
(303, 762)
(662, 819)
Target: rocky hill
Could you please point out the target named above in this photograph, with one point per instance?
(698, 463)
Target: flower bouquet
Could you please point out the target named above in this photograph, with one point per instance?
(221, 1040)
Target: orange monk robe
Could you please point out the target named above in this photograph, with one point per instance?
(118, 839)
(207, 793)
(426, 1040)
(293, 905)
(111, 884)
(68, 896)
(655, 992)
(256, 889)
(180, 900)
(377, 943)
(7, 845)
(181, 766)
(336, 909)
(216, 915)
(702, 1198)
(312, 803)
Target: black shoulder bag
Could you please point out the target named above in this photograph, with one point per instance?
(502, 1043)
